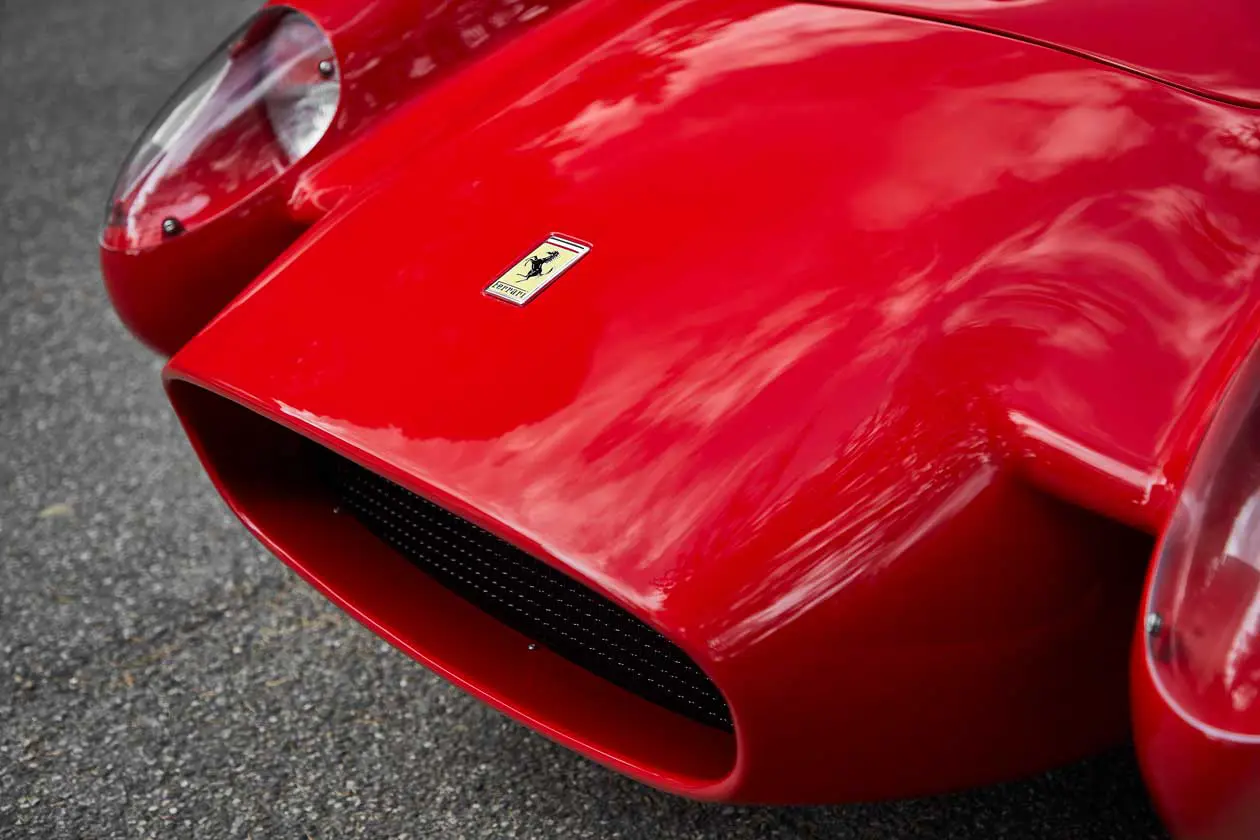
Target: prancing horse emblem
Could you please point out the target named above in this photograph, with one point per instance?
(536, 265)
(536, 270)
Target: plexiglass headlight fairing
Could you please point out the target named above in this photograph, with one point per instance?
(257, 106)
(1203, 617)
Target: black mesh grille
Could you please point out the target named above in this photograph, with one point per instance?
(528, 595)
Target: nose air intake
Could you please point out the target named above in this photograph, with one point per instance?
(527, 594)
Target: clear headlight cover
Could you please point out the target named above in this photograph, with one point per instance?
(257, 106)
(1203, 619)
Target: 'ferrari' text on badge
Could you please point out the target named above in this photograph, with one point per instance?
(520, 283)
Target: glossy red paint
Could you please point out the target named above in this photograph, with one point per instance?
(1064, 448)
(166, 294)
(878, 375)
(1205, 48)
(804, 413)
(1206, 784)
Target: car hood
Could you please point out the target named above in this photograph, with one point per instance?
(840, 283)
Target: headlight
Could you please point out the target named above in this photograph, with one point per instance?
(303, 96)
(260, 104)
(1203, 619)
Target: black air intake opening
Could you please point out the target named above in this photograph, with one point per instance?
(527, 595)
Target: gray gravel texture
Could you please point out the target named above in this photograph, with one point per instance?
(159, 674)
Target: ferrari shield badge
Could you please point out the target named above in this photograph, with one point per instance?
(538, 270)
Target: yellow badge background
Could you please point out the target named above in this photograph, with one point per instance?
(512, 286)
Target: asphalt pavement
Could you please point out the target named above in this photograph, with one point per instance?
(160, 674)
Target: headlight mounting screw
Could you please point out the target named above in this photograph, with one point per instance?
(327, 69)
(172, 226)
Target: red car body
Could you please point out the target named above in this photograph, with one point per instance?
(900, 328)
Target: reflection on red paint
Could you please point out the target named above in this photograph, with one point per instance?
(806, 405)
